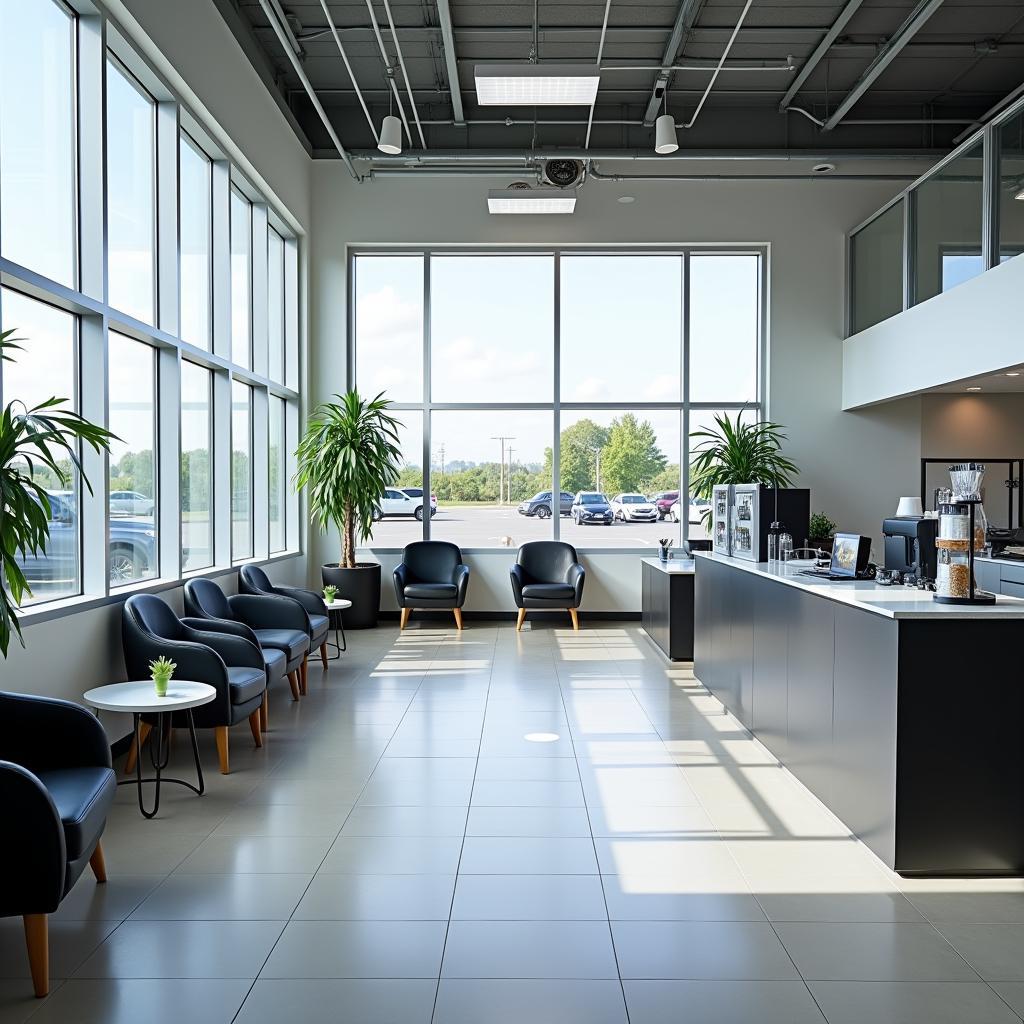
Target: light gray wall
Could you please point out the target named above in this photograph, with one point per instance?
(857, 464)
(972, 426)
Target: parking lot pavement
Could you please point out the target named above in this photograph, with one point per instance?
(485, 526)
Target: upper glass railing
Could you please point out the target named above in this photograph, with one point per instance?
(963, 217)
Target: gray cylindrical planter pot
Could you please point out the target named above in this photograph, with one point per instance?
(361, 586)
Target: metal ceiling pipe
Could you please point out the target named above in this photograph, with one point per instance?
(282, 18)
(597, 176)
(718, 70)
(686, 15)
(487, 156)
(405, 74)
(444, 15)
(819, 52)
(453, 172)
(708, 65)
(317, 106)
(600, 54)
(351, 73)
(388, 69)
(991, 112)
(885, 56)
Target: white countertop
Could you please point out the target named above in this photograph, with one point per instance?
(892, 602)
(683, 566)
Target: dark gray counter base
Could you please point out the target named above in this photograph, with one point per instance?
(667, 601)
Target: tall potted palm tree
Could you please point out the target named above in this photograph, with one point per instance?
(35, 442)
(347, 457)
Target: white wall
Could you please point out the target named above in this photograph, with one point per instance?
(856, 463)
(972, 426)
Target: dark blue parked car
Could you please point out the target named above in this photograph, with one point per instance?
(540, 505)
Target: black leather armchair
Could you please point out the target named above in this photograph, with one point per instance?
(56, 787)
(431, 575)
(231, 664)
(253, 580)
(274, 624)
(547, 575)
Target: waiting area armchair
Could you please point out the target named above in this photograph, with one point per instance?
(547, 576)
(431, 575)
(56, 788)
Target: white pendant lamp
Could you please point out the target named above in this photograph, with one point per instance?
(390, 136)
(665, 135)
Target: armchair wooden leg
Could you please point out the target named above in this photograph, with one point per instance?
(264, 712)
(254, 725)
(304, 676)
(575, 618)
(293, 682)
(406, 612)
(520, 618)
(38, 942)
(458, 617)
(98, 864)
(221, 733)
(323, 655)
(133, 750)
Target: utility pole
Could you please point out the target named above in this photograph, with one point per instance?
(510, 451)
(597, 467)
(501, 472)
(442, 458)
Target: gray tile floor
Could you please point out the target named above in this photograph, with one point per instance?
(492, 828)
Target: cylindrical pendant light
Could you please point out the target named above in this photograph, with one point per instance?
(390, 136)
(664, 134)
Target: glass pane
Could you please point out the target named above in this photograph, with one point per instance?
(278, 474)
(45, 368)
(241, 278)
(195, 181)
(241, 470)
(485, 464)
(1011, 188)
(132, 526)
(613, 308)
(131, 195)
(196, 477)
(275, 304)
(725, 320)
(878, 269)
(37, 125)
(399, 524)
(389, 326)
(619, 464)
(947, 226)
(492, 328)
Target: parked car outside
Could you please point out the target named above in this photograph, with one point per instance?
(130, 503)
(396, 502)
(417, 492)
(591, 507)
(634, 508)
(664, 502)
(697, 507)
(540, 505)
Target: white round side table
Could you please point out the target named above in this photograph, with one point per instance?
(138, 698)
(335, 609)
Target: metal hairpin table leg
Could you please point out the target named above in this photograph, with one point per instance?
(159, 756)
(339, 625)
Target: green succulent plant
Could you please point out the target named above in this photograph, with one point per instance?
(821, 526)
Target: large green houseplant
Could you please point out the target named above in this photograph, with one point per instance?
(35, 443)
(347, 458)
(738, 452)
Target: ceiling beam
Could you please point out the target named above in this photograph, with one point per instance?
(886, 55)
(444, 15)
(820, 50)
(686, 16)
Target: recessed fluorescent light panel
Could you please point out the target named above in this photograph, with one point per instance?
(536, 85)
(531, 200)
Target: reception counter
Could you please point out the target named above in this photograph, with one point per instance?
(667, 604)
(904, 716)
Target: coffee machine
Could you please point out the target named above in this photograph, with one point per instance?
(910, 545)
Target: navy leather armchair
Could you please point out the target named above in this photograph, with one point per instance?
(56, 788)
(547, 576)
(431, 575)
(231, 664)
(253, 580)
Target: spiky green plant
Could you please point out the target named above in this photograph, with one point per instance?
(43, 436)
(347, 457)
(739, 453)
(161, 672)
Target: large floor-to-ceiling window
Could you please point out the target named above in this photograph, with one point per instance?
(524, 378)
(131, 247)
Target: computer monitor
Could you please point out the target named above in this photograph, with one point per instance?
(850, 554)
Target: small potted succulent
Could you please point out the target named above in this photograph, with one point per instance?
(822, 531)
(330, 593)
(161, 672)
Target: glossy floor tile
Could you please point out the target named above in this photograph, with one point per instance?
(488, 827)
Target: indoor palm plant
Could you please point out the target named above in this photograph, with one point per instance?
(347, 458)
(735, 452)
(44, 438)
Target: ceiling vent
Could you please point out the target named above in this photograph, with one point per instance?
(563, 173)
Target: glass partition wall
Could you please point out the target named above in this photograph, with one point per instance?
(141, 311)
(965, 216)
(523, 379)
